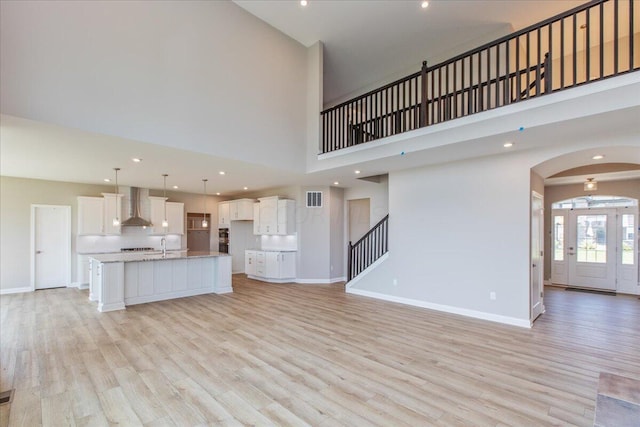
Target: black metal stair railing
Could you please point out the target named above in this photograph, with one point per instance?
(585, 44)
(368, 249)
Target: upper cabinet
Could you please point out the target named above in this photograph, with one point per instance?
(223, 215)
(112, 210)
(268, 215)
(96, 214)
(234, 210)
(174, 216)
(276, 216)
(156, 214)
(241, 210)
(90, 215)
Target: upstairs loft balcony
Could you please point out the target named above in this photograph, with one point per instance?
(595, 41)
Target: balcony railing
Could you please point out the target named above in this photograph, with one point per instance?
(597, 40)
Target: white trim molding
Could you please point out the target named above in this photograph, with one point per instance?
(523, 323)
(15, 290)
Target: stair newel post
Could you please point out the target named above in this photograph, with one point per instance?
(423, 94)
(349, 262)
(547, 73)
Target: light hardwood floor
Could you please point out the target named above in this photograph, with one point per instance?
(287, 354)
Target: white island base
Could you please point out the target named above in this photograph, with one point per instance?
(116, 283)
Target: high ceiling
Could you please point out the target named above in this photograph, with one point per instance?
(365, 41)
(370, 41)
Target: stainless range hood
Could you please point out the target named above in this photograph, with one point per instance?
(135, 220)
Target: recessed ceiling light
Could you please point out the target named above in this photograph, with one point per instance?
(507, 144)
(217, 194)
(106, 180)
(221, 173)
(424, 4)
(245, 188)
(303, 2)
(356, 172)
(175, 187)
(598, 157)
(136, 160)
(336, 183)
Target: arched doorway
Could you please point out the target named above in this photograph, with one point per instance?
(594, 243)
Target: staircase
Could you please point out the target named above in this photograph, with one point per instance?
(368, 249)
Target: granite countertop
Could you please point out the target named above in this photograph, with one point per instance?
(137, 257)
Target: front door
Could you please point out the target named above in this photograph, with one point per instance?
(591, 248)
(51, 246)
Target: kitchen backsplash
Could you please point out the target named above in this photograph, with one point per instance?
(132, 237)
(279, 243)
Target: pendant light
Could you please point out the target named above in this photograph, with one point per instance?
(205, 223)
(116, 219)
(590, 184)
(165, 221)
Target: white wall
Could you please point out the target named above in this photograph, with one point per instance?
(463, 238)
(205, 76)
(16, 197)
(337, 246)
(377, 193)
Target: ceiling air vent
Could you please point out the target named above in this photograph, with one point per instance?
(314, 199)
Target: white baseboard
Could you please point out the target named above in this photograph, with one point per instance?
(321, 281)
(103, 308)
(225, 290)
(83, 286)
(15, 290)
(444, 308)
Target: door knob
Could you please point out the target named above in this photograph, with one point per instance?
(38, 252)
(534, 265)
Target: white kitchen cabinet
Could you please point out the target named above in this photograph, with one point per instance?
(250, 263)
(90, 215)
(241, 210)
(175, 215)
(224, 220)
(286, 217)
(112, 209)
(156, 214)
(271, 266)
(256, 218)
(276, 216)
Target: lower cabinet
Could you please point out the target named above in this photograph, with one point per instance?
(250, 263)
(270, 266)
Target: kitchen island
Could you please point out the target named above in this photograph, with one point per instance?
(118, 280)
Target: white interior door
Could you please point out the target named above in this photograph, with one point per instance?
(591, 252)
(537, 239)
(51, 246)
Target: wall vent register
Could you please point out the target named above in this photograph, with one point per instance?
(314, 199)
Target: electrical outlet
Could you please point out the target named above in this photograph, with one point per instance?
(492, 295)
(395, 282)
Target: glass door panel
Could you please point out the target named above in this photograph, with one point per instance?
(592, 238)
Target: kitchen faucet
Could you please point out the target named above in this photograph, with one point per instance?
(163, 244)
